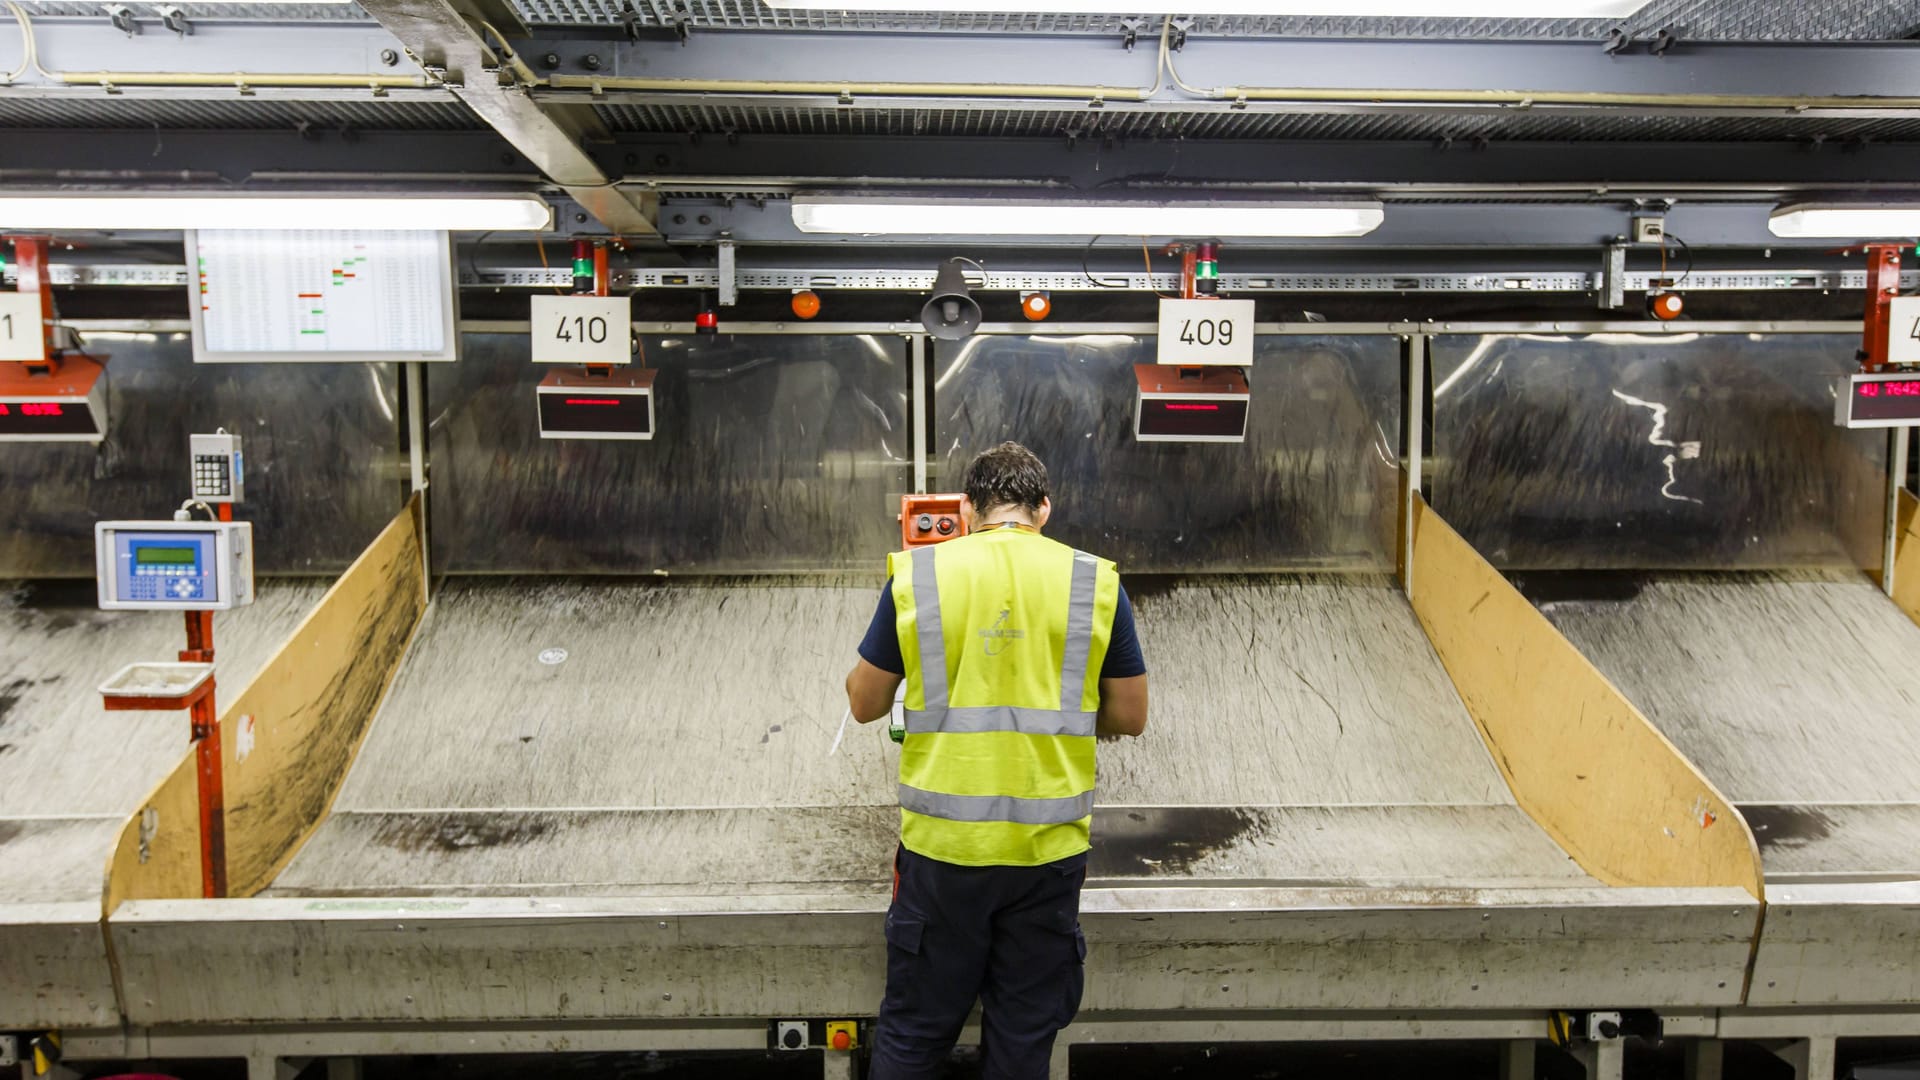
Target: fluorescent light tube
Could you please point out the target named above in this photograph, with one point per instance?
(1012, 217)
(1413, 9)
(1839, 220)
(493, 213)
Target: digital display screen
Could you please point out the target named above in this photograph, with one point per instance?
(588, 413)
(1887, 399)
(45, 418)
(1226, 418)
(155, 555)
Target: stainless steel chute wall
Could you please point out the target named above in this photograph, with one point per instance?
(774, 453)
(321, 443)
(1313, 486)
(1616, 451)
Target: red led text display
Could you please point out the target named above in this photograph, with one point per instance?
(1889, 399)
(1227, 418)
(587, 414)
(44, 418)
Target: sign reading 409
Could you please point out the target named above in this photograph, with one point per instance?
(1194, 332)
(582, 330)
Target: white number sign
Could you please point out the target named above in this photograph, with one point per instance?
(1903, 330)
(21, 334)
(1194, 332)
(582, 330)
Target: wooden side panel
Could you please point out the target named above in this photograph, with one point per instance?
(1906, 558)
(158, 855)
(1578, 756)
(287, 738)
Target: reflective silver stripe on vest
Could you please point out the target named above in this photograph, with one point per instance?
(969, 720)
(926, 623)
(1073, 665)
(996, 807)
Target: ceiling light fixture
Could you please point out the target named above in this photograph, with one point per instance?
(1413, 9)
(492, 213)
(1864, 221)
(863, 216)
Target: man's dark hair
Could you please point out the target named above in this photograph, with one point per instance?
(1007, 475)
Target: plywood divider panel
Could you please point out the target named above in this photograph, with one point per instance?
(1906, 557)
(288, 738)
(1578, 756)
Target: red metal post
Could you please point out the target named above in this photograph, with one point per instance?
(30, 259)
(1883, 284)
(208, 766)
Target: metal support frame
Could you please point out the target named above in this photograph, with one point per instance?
(415, 384)
(1058, 278)
(919, 378)
(1897, 440)
(1811, 1058)
(1413, 447)
(1565, 74)
(1706, 1059)
(89, 58)
(1516, 1059)
(1613, 278)
(1604, 1060)
(440, 35)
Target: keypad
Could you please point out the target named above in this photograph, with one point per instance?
(211, 475)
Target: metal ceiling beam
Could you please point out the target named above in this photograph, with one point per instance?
(1226, 166)
(445, 39)
(1385, 71)
(1407, 226)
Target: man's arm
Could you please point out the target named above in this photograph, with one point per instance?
(877, 675)
(1123, 706)
(870, 691)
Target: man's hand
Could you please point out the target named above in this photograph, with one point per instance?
(1123, 706)
(870, 691)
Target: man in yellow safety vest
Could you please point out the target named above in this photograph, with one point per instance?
(1016, 651)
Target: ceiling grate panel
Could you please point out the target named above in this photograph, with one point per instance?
(122, 113)
(1529, 125)
(1702, 20)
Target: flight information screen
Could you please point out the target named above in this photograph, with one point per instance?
(320, 294)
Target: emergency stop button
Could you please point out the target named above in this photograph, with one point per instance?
(843, 1034)
(946, 526)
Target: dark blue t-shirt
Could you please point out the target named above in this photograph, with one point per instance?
(881, 646)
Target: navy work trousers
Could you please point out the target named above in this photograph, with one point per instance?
(1006, 935)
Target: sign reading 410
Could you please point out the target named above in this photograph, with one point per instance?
(582, 330)
(1196, 332)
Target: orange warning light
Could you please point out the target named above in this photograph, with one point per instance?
(806, 303)
(1036, 306)
(1665, 306)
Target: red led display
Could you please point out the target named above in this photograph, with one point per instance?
(1193, 419)
(44, 418)
(1887, 399)
(613, 414)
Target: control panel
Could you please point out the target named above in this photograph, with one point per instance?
(930, 519)
(218, 475)
(174, 565)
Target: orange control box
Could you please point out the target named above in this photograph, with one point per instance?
(929, 519)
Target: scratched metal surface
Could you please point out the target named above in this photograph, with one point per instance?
(773, 453)
(1303, 731)
(1622, 451)
(1313, 487)
(71, 772)
(320, 441)
(1796, 690)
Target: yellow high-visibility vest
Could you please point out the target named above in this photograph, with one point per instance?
(1003, 633)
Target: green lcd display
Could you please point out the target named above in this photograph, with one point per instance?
(152, 555)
